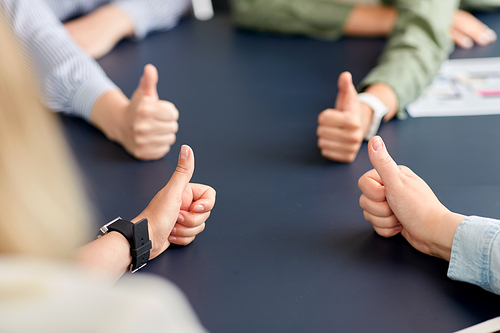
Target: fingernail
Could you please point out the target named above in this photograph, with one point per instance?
(180, 219)
(398, 228)
(199, 208)
(172, 238)
(467, 43)
(174, 230)
(377, 144)
(184, 153)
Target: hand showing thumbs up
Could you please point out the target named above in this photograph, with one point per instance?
(341, 130)
(150, 124)
(395, 200)
(178, 211)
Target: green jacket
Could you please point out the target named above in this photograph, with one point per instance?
(416, 48)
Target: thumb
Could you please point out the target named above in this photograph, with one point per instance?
(149, 80)
(383, 163)
(347, 94)
(182, 174)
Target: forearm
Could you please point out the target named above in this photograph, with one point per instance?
(99, 31)
(370, 21)
(444, 232)
(108, 256)
(109, 114)
(387, 96)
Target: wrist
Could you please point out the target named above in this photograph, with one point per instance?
(379, 110)
(121, 247)
(444, 234)
(121, 25)
(137, 236)
(387, 96)
(109, 114)
(366, 113)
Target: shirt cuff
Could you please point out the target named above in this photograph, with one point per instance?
(87, 93)
(475, 254)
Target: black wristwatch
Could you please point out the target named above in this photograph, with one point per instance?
(137, 235)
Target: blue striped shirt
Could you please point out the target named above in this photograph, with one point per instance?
(71, 81)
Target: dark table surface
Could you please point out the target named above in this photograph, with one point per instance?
(286, 248)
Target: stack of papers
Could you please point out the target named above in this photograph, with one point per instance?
(463, 87)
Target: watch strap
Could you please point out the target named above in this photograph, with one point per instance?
(137, 234)
(141, 245)
(379, 111)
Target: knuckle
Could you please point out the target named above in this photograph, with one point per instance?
(144, 110)
(171, 109)
(351, 157)
(170, 140)
(321, 143)
(386, 210)
(139, 129)
(187, 240)
(384, 232)
(141, 155)
(359, 136)
(325, 153)
(182, 241)
(190, 222)
(361, 182)
(140, 142)
(386, 160)
(363, 204)
(366, 215)
(162, 152)
(175, 127)
(182, 170)
(322, 117)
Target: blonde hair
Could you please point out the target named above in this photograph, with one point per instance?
(43, 210)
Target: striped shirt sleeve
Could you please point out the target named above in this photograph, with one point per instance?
(70, 80)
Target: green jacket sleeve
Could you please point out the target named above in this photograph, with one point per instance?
(418, 45)
(315, 18)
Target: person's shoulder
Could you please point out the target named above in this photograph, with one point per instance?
(51, 290)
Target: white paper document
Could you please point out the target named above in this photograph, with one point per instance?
(489, 326)
(463, 87)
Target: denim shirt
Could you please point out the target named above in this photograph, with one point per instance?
(475, 254)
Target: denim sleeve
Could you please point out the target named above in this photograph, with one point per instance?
(475, 255)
